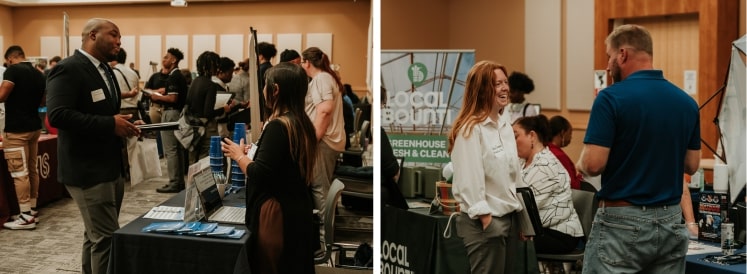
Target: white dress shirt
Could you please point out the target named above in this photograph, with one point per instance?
(486, 169)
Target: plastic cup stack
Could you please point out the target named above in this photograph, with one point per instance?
(216, 155)
(237, 176)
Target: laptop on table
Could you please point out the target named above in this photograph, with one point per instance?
(211, 202)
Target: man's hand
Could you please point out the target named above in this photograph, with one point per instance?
(123, 127)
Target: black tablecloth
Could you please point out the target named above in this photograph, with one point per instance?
(413, 240)
(139, 252)
(50, 189)
(696, 265)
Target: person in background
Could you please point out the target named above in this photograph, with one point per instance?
(201, 101)
(52, 63)
(170, 92)
(83, 104)
(390, 168)
(520, 85)
(128, 84)
(224, 76)
(561, 134)
(351, 95)
(187, 76)
(132, 67)
(641, 147)
(549, 181)
(324, 107)
(279, 206)
(290, 55)
(239, 86)
(22, 88)
(41, 65)
(130, 96)
(486, 168)
(348, 116)
(265, 53)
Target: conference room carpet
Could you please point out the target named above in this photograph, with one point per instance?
(55, 245)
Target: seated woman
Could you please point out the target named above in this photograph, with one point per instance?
(547, 178)
(278, 202)
(561, 132)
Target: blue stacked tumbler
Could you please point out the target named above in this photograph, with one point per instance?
(216, 155)
(237, 177)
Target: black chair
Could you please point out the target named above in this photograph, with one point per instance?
(585, 204)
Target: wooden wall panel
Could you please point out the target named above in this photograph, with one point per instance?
(717, 27)
(675, 44)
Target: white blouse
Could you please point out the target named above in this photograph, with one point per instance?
(486, 169)
(551, 186)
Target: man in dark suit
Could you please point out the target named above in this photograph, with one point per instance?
(83, 101)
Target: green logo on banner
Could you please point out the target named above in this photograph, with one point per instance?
(417, 73)
(420, 148)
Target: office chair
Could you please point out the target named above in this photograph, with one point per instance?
(585, 204)
(333, 196)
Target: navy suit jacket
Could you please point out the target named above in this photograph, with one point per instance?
(88, 151)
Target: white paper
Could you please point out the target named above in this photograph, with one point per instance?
(696, 247)
(165, 213)
(221, 99)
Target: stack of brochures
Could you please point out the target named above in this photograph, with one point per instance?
(195, 229)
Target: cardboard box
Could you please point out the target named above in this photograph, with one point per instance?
(712, 211)
(333, 270)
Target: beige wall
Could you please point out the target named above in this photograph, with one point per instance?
(493, 28)
(6, 28)
(347, 21)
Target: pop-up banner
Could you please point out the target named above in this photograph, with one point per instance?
(424, 93)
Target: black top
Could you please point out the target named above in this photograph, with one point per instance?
(275, 174)
(201, 98)
(262, 107)
(174, 83)
(22, 104)
(88, 151)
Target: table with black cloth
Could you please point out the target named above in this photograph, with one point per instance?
(134, 251)
(695, 264)
(413, 240)
(50, 189)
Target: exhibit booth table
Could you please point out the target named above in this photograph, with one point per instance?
(50, 189)
(696, 264)
(134, 251)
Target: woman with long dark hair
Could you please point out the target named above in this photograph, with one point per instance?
(278, 202)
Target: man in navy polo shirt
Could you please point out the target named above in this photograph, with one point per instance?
(643, 135)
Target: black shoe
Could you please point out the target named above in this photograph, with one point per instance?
(172, 188)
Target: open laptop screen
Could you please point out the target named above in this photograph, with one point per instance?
(209, 196)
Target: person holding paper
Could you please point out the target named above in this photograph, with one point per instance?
(83, 102)
(201, 101)
(278, 202)
(486, 169)
(550, 183)
(170, 91)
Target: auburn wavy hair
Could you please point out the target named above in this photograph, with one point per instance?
(479, 99)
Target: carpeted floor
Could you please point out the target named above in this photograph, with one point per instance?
(55, 245)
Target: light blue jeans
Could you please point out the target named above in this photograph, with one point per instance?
(636, 239)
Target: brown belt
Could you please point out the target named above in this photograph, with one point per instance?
(614, 203)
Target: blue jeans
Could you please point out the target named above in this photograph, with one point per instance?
(636, 239)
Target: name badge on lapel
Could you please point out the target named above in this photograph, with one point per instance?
(97, 95)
